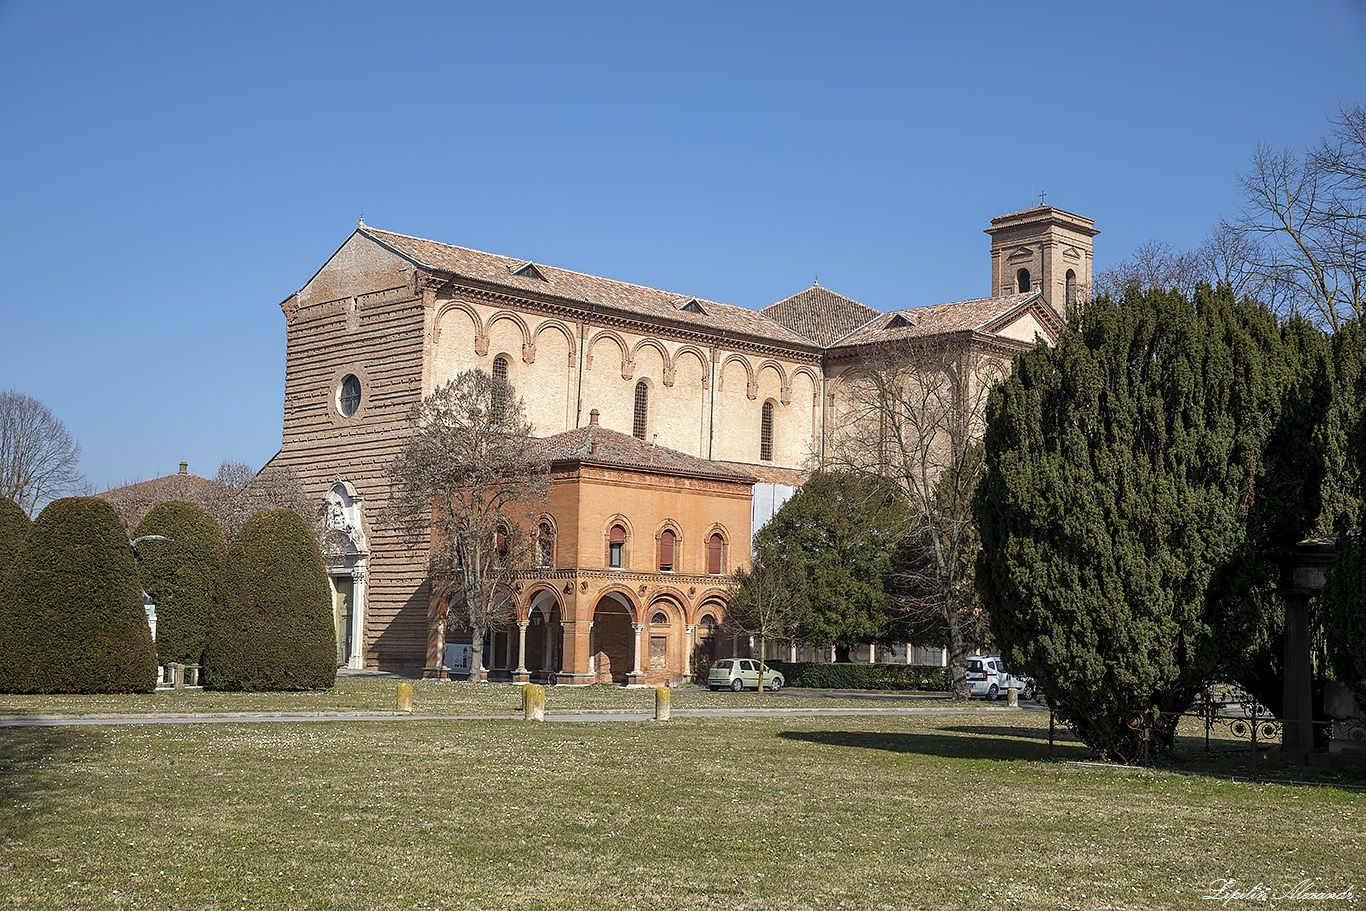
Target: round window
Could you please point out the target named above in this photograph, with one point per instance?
(348, 398)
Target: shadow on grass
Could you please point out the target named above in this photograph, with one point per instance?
(997, 743)
(32, 784)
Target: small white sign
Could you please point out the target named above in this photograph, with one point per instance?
(458, 657)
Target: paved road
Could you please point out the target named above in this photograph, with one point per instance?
(581, 716)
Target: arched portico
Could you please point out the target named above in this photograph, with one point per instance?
(614, 640)
(542, 638)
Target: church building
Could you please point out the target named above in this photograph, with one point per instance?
(678, 424)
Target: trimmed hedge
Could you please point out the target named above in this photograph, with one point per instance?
(14, 526)
(75, 618)
(820, 675)
(181, 575)
(271, 623)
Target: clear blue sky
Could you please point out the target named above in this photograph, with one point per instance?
(174, 170)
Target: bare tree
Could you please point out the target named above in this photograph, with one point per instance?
(1153, 264)
(246, 492)
(768, 602)
(470, 479)
(1308, 216)
(38, 457)
(914, 415)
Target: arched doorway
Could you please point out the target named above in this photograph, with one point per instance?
(346, 555)
(704, 649)
(613, 645)
(544, 637)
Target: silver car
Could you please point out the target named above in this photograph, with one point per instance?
(739, 673)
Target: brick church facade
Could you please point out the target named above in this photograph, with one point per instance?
(667, 412)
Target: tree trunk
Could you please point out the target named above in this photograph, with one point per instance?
(958, 665)
(477, 672)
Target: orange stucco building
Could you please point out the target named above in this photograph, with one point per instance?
(635, 548)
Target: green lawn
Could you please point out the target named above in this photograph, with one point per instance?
(924, 811)
(430, 697)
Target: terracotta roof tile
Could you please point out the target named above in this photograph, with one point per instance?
(935, 319)
(613, 448)
(772, 474)
(581, 288)
(820, 314)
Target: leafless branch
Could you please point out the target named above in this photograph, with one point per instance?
(470, 480)
(38, 457)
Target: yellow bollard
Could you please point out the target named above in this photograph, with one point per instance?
(405, 697)
(526, 694)
(1012, 698)
(662, 694)
(535, 702)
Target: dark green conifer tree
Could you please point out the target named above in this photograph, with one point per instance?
(836, 539)
(77, 623)
(1139, 495)
(271, 626)
(14, 528)
(181, 575)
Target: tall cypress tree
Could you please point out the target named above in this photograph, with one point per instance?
(1140, 491)
(271, 624)
(181, 574)
(80, 627)
(14, 528)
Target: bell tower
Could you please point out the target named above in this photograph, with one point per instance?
(1042, 249)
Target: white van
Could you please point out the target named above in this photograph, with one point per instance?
(988, 677)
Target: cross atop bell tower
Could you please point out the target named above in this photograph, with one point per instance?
(1042, 249)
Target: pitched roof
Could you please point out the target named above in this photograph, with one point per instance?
(977, 315)
(581, 288)
(596, 444)
(820, 314)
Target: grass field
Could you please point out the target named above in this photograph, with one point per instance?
(430, 697)
(892, 811)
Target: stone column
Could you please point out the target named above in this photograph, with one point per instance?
(636, 673)
(357, 657)
(521, 674)
(592, 651)
(689, 631)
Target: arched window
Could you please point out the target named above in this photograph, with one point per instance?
(660, 619)
(500, 546)
(616, 547)
(500, 388)
(1022, 281)
(642, 410)
(766, 433)
(1071, 296)
(667, 542)
(545, 544)
(715, 554)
